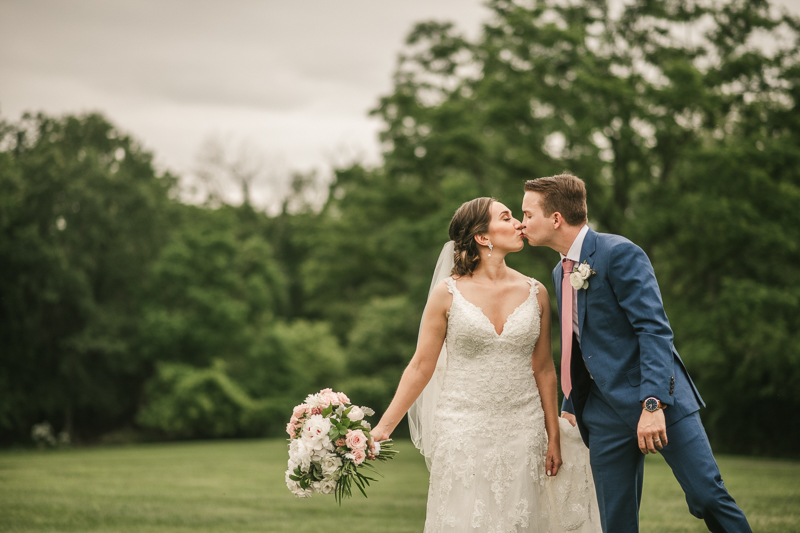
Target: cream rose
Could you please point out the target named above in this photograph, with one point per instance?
(356, 414)
(577, 281)
(330, 464)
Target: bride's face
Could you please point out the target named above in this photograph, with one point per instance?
(505, 231)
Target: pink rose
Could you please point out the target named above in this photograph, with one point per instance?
(343, 399)
(358, 456)
(330, 398)
(356, 440)
(300, 410)
(316, 410)
(340, 442)
(291, 429)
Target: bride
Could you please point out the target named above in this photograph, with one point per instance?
(481, 393)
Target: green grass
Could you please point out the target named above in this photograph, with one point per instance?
(237, 486)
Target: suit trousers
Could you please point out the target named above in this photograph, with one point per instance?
(618, 470)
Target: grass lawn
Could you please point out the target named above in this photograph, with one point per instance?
(236, 486)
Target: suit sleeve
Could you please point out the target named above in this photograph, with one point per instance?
(566, 404)
(633, 281)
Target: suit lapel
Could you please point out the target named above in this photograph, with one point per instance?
(587, 251)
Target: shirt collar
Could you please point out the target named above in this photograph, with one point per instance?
(574, 252)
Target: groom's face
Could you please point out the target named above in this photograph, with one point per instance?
(537, 226)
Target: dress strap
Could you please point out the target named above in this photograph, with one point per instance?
(451, 285)
(534, 285)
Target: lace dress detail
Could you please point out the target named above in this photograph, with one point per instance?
(487, 472)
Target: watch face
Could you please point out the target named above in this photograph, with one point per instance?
(651, 404)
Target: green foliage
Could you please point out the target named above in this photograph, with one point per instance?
(82, 215)
(214, 286)
(184, 401)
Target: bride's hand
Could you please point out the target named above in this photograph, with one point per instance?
(380, 433)
(569, 417)
(553, 461)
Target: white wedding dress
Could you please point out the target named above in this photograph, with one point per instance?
(489, 439)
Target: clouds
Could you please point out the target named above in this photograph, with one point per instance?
(297, 78)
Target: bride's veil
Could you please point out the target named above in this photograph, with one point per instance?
(420, 415)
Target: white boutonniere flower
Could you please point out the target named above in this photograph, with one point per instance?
(579, 279)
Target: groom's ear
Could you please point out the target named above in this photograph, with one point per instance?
(557, 219)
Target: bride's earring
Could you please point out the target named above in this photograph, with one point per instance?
(490, 249)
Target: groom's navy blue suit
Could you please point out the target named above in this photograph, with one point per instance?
(623, 354)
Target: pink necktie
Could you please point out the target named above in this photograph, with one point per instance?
(566, 328)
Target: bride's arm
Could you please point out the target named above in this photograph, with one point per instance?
(544, 372)
(421, 367)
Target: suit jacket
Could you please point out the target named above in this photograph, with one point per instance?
(626, 343)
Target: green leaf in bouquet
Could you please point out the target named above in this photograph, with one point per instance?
(293, 477)
(327, 411)
(333, 434)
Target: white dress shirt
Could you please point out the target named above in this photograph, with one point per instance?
(574, 254)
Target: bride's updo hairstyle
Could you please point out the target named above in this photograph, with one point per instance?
(471, 219)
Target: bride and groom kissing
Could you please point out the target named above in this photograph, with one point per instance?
(481, 393)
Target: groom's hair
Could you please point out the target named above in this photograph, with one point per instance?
(564, 193)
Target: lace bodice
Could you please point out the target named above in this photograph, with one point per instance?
(489, 373)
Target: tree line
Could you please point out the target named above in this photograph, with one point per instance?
(126, 313)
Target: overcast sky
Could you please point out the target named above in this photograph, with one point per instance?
(294, 78)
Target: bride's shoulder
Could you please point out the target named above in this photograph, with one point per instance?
(535, 284)
(442, 293)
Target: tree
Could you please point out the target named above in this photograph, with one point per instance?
(83, 214)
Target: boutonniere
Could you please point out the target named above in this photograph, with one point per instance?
(579, 279)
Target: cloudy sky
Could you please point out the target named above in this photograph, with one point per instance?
(295, 79)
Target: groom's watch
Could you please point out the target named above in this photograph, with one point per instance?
(653, 404)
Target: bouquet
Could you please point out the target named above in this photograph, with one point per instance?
(330, 447)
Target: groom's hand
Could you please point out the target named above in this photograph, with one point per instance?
(652, 431)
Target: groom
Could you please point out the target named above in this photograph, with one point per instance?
(624, 384)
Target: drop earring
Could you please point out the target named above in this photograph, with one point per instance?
(490, 249)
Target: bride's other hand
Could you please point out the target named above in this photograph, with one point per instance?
(569, 417)
(553, 459)
(380, 434)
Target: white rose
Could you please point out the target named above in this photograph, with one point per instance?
(294, 486)
(367, 410)
(356, 414)
(366, 424)
(326, 486)
(330, 465)
(300, 454)
(576, 281)
(585, 270)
